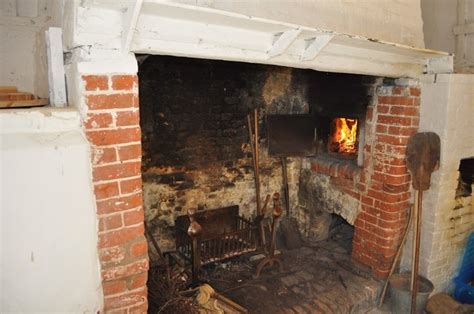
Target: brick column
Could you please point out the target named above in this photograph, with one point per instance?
(113, 130)
(385, 184)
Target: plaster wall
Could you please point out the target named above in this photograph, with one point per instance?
(447, 104)
(446, 28)
(439, 18)
(395, 21)
(48, 226)
(23, 51)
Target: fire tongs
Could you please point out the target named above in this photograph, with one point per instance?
(271, 258)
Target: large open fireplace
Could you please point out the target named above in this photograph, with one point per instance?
(195, 136)
(348, 173)
(171, 146)
(196, 150)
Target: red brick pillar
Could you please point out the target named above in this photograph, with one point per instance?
(113, 130)
(385, 191)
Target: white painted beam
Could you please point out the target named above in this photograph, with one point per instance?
(314, 46)
(56, 77)
(324, 62)
(129, 24)
(283, 41)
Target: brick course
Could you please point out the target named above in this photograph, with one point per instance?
(113, 130)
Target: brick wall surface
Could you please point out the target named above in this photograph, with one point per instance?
(384, 186)
(112, 128)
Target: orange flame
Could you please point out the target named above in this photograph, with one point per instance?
(344, 137)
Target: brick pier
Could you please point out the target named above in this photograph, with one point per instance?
(113, 130)
(385, 182)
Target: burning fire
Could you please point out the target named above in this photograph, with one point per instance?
(344, 136)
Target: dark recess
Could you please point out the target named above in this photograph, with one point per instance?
(466, 173)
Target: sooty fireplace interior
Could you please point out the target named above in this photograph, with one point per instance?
(195, 139)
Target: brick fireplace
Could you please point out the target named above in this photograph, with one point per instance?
(370, 191)
(136, 181)
(157, 98)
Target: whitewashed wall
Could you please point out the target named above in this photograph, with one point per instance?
(396, 21)
(447, 108)
(439, 18)
(22, 50)
(448, 26)
(48, 224)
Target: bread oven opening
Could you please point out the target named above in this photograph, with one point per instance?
(343, 136)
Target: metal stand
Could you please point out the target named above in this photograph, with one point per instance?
(271, 258)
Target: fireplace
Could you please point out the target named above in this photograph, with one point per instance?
(195, 139)
(195, 153)
(368, 189)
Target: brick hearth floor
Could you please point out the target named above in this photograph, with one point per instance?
(317, 279)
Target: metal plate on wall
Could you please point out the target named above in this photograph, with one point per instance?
(291, 135)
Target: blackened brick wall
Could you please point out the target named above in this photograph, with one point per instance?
(194, 111)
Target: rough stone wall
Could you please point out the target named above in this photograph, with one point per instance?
(195, 136)
(328, 184)
(112, 127)
(319, 195)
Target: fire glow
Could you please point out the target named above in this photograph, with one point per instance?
(343, 136)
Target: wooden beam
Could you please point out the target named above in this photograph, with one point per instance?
(314, 46)
(463, 29)
(283, 41)
(56, 77)
(327, 62)
(129, 24)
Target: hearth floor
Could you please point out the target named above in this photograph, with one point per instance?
(316, 279)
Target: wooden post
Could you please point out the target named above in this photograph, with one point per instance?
(196, 257)
(416, 250)
(56, 77)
